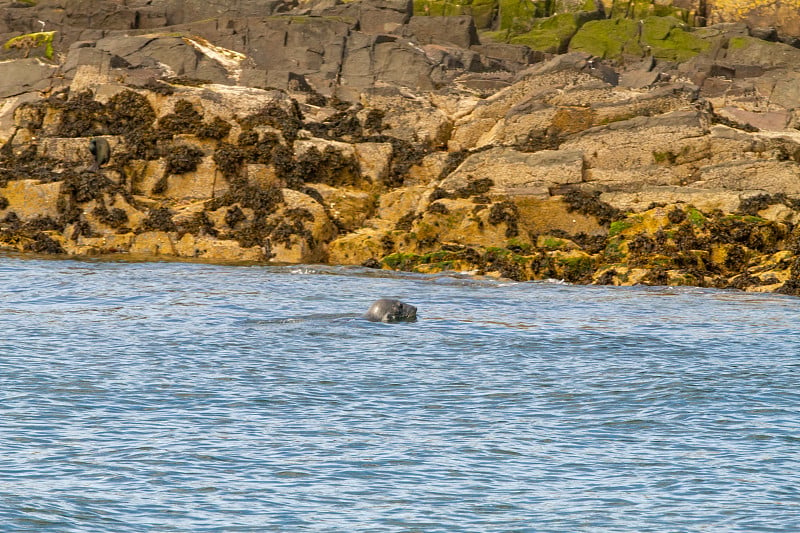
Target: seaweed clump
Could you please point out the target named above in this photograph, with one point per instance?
(505, 212)
(216, 129)
(273, 115)
(114, 217)
(589, 203)
(329, 166)
(42, 243)
(183, 119)
(81, 116)
(182, 158)
(128, 111)
(159, 219)
(85, 186)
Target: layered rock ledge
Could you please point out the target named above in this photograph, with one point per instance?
(628, 148)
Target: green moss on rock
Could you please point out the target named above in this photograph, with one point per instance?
(665, 38)
(30, 41)
(607, 38)
(551, 34)
(482, 11)
(670, 39)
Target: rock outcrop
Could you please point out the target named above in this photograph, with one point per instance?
(617, 144)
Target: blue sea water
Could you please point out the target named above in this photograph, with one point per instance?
(191, 397)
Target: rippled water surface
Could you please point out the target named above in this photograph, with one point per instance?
(190, 397)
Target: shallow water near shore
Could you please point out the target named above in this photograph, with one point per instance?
(193, 397)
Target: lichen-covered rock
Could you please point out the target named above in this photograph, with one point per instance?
(662, 37)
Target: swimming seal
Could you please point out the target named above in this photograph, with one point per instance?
(387, 310)
(101, 152)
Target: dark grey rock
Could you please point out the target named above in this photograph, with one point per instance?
(459, 31)
(24, 75)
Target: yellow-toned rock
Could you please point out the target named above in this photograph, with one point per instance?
(207, 247)
(321, 227)
(30, 198)
(395, 204)
(153, 243)
(262, 176)
(357, 247)
(458, 221)
(540, 216)
(107, 244)
(72, 150)
(374, 159)
(205, 182)
(519, 173)
(429, 169)
(350, 206)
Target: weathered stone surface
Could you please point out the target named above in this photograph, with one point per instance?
(30, 198)
(783, 16)
(374, 160)
(705, 199)
(212, 249)
(396, 204)
(153, 244)
(357, 247)
(24, 75)
(351, 207)
(409, 117)
(459, 31)
(518, 173)
(446, 154)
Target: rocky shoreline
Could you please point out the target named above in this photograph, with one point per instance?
(629, 146)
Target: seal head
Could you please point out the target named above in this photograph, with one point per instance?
(101, 152)
(387, 310)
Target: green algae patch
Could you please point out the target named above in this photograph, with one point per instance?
(30, 41)
(482, 11)
(516, 15)
(619, 226)
(401, 261)
(695, 217)
(640, 9)
(607, 38)
(670, 39)
(551, 34)
(666, 38)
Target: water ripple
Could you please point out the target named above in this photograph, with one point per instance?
(197, 398)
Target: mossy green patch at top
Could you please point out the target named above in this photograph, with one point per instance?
(737, 43)
(482, 11)
(670, 39)
(665, 38)
(607, 38)
(641, 9)
(33, 40)
(551, 34)
(517, 15)
(519, 245)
